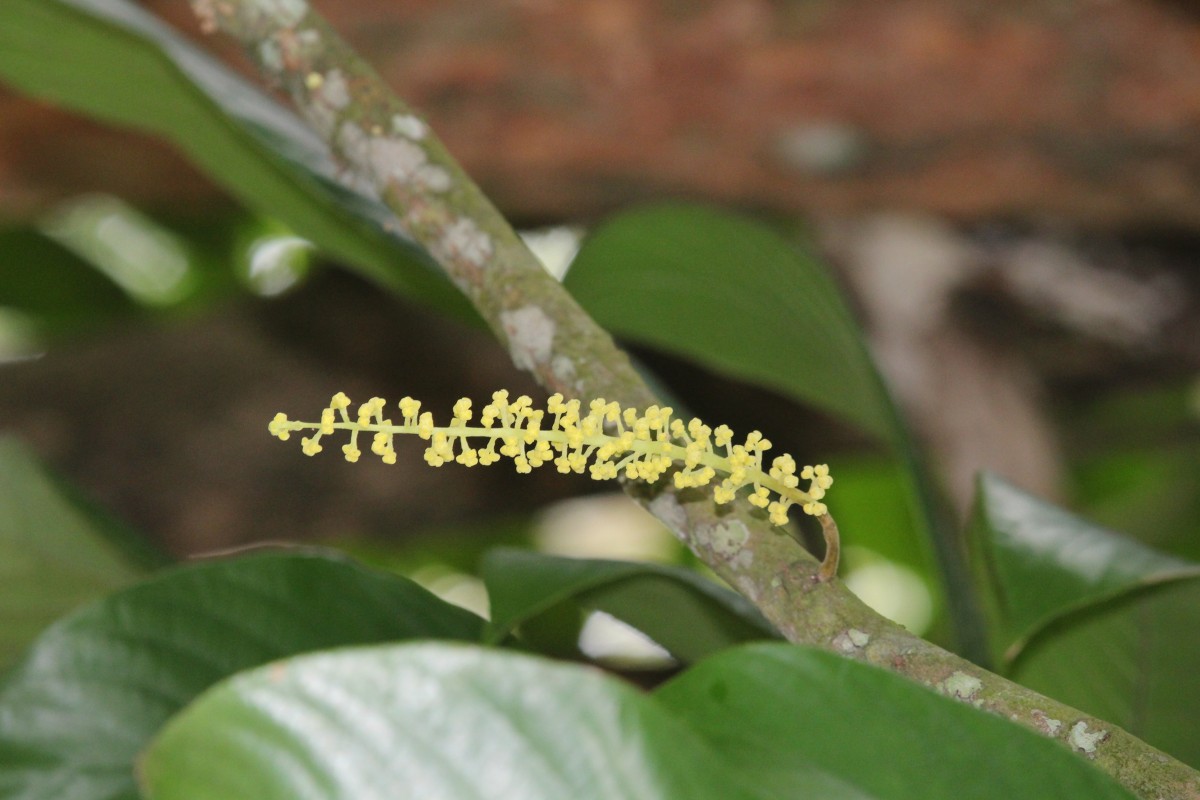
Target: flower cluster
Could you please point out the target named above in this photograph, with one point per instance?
(606, 442)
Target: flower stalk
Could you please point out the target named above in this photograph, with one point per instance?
(606, 442)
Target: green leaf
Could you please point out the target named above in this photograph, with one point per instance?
(735, 296)
(1090, 617)
(111, 60)
(428, 721)
(689, 615)
(97, 685)
(56, 552)
(63, 292)
(1131, 661)
(1039, 562)
(431, 720)
(801, 722)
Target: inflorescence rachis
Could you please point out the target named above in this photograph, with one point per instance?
(606, 442)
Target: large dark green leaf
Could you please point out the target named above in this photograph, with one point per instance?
(429, 721)
(1132, 660)
(687, 614)
(1039, 562)
(111, 60)
(97, 685)
(735, 296)
(55, 551)
(769, 722)
(806, 723)
(1091, 617)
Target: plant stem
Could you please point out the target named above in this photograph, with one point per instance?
(388, 149)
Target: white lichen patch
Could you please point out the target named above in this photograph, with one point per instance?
(332, 90)
(530, 333)
(463, 239)
(1085, 741)
(1046, 724)
(564, 370)
(434, 178)
(270, 55)
(410, 125)
(743, 560)
(387, 159)
(851, 640)
(285, 13)
(727, 539)
(748, 588)
(960, 685)
(668, 510)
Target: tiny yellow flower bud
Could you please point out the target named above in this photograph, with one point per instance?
(722, 436)
(761, 497)
(410, 408)
(278, 427)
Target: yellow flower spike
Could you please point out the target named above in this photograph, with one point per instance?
(638, 446)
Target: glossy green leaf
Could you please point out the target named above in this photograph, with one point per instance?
(689, 615)
(740, 299)
(429, 721)
(1039, 562)
(98, 685)
(1132, 661)
(1090, 617)
(737, 297)
(800, 722)
(769, 722)
(56, 552)
(112, 60)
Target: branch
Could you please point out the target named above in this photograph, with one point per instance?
(388, 149)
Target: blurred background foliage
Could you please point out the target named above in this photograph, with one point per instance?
(1031, 302)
